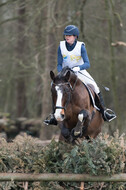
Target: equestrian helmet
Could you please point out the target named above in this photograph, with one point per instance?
(71, 30)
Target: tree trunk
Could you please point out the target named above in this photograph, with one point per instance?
(82, 5)
(112, 64)
(21, 87)
(50, 53)
(39, 60)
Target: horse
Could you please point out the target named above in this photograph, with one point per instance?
(73, 106)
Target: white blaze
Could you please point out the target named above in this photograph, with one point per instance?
(58, 103)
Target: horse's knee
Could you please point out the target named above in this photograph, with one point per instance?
(83, 115)
(65, 132)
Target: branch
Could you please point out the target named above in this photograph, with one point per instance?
(119, 18)
(7, 2)
(12, 19)
(119, 43)
(8, 20)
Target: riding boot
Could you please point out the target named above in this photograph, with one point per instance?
(52, 120)
(107, 114)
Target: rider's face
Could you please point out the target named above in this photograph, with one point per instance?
(70, 39)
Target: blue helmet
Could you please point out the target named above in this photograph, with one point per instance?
(71, 30)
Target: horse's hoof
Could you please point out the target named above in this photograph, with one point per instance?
(77, 133)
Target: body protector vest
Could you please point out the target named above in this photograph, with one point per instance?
(71, 58)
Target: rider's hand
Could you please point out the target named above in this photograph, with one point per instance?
(76, 69)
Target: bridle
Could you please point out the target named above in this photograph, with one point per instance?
(71, 89)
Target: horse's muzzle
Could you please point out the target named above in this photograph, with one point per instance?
(59, 117)
(59, 114)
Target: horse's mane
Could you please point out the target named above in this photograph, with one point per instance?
(64, 71)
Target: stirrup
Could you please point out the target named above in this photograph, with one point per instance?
(112, 113)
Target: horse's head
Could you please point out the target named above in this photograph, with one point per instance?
(61, 90)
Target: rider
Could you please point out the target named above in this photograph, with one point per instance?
(72, 53)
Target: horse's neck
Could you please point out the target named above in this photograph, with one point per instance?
(73, 80)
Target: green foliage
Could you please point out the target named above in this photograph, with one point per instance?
(102, 156)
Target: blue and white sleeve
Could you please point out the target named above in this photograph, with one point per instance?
(85, 58)
(59, 60)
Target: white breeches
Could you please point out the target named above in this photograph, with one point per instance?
(86, 78)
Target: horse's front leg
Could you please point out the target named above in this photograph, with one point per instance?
(65, 132)
(84, 118)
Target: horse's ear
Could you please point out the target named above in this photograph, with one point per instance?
(67, 76)
(52, 75)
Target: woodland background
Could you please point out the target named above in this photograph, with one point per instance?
(30, 32)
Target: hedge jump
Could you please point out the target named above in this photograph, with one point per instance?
(61, 177)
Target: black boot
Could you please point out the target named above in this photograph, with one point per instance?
(51, 121)
(107, 114)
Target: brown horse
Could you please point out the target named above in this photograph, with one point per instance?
(73, 107)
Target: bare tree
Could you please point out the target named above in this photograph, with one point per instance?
(50, 51)
(21, 50)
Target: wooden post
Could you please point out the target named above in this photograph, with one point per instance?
(82, 186)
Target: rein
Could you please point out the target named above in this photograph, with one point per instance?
(62, 84)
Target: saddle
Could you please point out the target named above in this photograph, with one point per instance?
(93, 96)
(107, 114)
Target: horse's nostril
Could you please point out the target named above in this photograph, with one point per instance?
(62, 116)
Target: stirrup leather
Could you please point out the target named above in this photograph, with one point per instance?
(112, 114)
